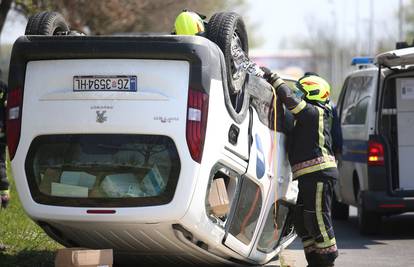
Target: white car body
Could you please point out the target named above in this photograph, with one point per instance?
(181, 230)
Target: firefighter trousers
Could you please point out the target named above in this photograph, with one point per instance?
(313, 221)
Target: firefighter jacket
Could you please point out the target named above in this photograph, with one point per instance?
(310, 142)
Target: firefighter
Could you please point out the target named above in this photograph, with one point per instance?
(336, 131)
(189, 23)
(4, 183)
(313, 164)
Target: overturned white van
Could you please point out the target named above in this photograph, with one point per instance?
(136, 143)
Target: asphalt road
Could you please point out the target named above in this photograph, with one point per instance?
(393, 246)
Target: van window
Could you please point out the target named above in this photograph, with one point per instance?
(357, 96)
(247, 212)
(273, 228)
(102, 170)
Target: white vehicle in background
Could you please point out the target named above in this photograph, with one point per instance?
(376, 107)
(149, 145)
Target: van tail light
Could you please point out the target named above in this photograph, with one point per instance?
(13, 123)
(375, 154)
(197, 109)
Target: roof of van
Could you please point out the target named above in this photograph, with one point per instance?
(396, 57)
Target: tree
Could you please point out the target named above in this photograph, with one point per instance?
(116, 16)
(408, 15)
(4, 9)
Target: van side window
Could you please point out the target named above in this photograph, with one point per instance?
(357, 96)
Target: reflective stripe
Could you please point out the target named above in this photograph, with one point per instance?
(307, 243)
(279, 81)
(4, 192)
(326, 244)
(299, 107)
(318, 206)
(314, 168)
(312, 162)
(320, 132)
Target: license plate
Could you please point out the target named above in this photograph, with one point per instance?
(124, 83)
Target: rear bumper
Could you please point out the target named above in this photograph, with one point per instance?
(382, 202)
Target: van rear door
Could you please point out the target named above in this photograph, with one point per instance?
(405, 131)
(404, 112)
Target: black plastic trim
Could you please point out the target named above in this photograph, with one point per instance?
(373, 200)
(233, 134)
(204, 61)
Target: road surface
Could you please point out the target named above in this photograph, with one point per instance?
(393, 246)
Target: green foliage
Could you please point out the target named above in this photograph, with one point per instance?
(27, 244)
(116, 16)
(409, 20)
(30, 7)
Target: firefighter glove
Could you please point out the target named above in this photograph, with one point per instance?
(272, 77)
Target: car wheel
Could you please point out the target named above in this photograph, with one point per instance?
(340, 211)
(228, 31)
(46, 23)
(369, 222)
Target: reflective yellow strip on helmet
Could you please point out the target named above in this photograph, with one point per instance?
(299, 107)
(312, 83)
(321, 134)
(314, 168)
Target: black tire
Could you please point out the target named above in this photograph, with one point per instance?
(46, 23)
(223, 29)
(340, 211)
(369, 222)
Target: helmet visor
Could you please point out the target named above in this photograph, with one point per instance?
(297, 92)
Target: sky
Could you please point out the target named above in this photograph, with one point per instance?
(13, 27)
(277, 21)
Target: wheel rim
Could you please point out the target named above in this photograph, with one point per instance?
(238, 59)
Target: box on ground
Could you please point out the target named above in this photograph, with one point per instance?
(81, 257)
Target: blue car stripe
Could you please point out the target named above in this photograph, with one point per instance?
(355, 150)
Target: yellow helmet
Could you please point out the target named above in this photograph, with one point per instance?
(188, 23)
(314, 88)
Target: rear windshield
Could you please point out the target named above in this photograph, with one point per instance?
(102, 170)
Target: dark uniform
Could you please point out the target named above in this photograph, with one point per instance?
(4, 183)
(313, 165)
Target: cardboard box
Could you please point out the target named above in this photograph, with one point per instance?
(121, 185)
(153, 183)
(50, 176)
(218, 198)
(81, 257)
(78, 179)
(66, 190)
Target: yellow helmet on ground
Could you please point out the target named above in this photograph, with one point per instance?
(314, 88)
(188, 23)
